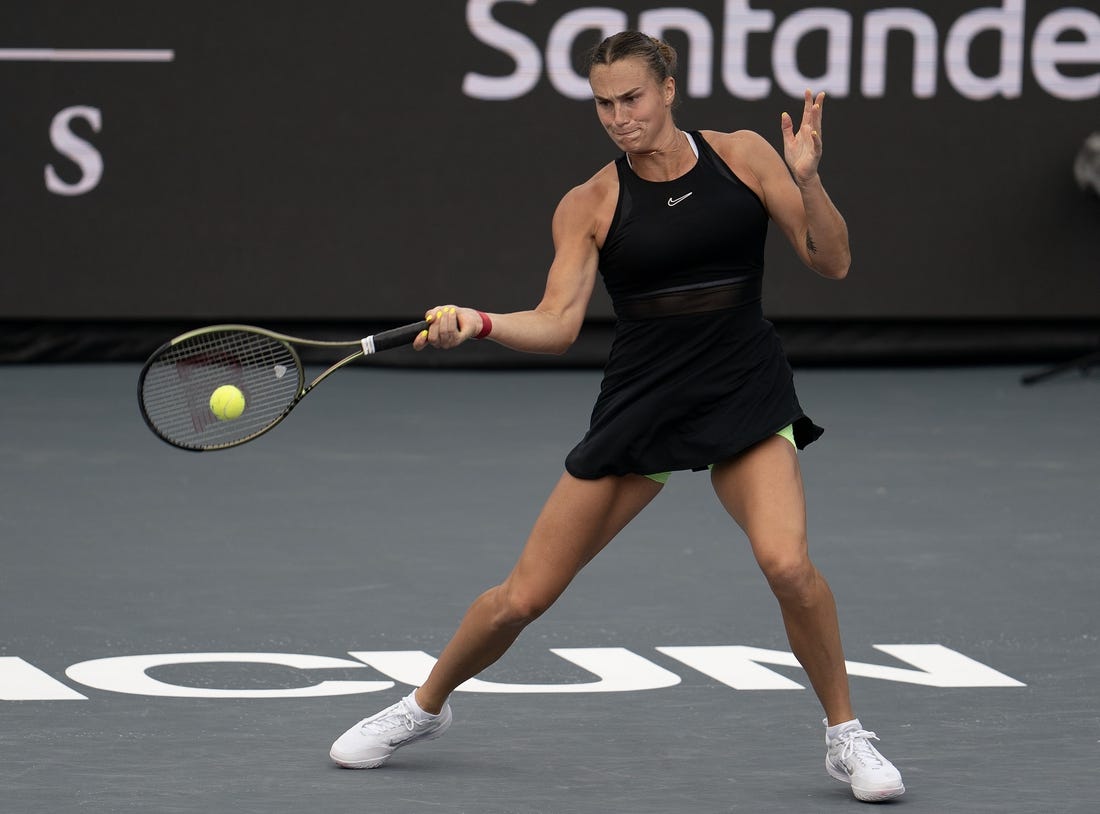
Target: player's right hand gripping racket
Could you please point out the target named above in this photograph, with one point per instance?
(177, 385)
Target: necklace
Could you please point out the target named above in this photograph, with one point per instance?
(676, 149)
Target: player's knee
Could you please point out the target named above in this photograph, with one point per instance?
(518, 606)
(791, 576)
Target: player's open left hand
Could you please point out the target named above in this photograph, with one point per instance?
(802, 148)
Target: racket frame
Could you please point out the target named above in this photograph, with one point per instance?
(374, 343)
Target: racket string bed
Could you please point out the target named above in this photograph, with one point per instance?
(177, 386)
(186, 379)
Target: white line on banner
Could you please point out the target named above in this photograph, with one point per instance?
(85, 55)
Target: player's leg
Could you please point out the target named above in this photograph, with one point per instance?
(762, 491)
(578, 520)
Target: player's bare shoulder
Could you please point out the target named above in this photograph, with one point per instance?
(590, 206)
(747, 153)
(596, 191)
(745, 147)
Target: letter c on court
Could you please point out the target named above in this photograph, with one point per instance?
(127, 674)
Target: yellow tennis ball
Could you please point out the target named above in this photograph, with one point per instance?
(227, 402)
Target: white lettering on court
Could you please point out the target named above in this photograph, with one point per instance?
(618, 669)
(937, 666)
(614, 669)
(126, 674)
(20, 681)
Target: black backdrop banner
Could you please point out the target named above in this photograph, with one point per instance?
(345, 160)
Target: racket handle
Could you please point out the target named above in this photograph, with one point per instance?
(393, 338)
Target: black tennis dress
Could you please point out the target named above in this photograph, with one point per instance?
(695, 374)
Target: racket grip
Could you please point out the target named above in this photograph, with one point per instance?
(393, 338)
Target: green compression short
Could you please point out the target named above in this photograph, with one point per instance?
(787, 432)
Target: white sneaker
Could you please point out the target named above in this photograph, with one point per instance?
(851, 758)
(370, 742)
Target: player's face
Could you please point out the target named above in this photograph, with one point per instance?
(633, 108)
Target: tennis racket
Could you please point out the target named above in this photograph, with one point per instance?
(263, 373)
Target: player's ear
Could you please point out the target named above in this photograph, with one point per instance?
(670, 91)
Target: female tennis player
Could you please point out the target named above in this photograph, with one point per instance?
(696, 379)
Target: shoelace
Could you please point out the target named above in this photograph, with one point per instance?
(398, 715)
(857, 743)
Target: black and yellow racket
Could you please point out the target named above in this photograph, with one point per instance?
(220, 386)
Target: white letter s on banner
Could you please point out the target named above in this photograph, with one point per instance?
(83, 154)
(524, 53)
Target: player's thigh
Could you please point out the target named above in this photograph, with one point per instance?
(579, 518)
(762, 490)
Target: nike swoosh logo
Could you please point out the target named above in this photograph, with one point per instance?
(674, 201)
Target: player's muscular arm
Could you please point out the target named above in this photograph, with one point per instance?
(803, 210)
(553, 325)
(791, 189)
(824, 233)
